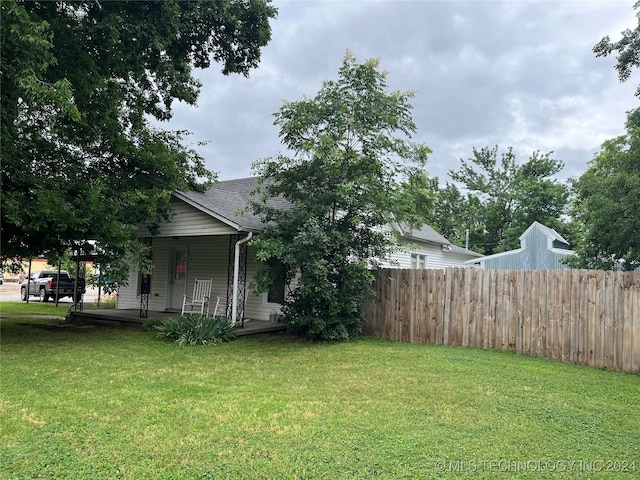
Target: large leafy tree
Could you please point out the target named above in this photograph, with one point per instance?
(354, 170)
(503, 197)
(606, 198)
(606, 204)
(80, 159)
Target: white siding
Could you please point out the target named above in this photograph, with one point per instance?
(436, 258)
(255, 307)
(161, 264)
(397, 260)
(460, 259)
(208, 259)
(440, 259)
(189, 221)
(127, 295)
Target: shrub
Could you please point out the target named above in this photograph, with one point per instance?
(196, 330)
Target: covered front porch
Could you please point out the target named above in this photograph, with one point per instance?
(205, 240)
(131, 318)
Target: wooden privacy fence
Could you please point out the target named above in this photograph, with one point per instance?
(582, 316)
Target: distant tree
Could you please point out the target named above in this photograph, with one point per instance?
(503, 199)
(628, 48)
(455, 215)
(354, 171)
(80, 81)
(606, 204)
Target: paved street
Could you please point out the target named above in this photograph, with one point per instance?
(10, 292)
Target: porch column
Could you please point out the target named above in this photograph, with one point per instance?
(242, 277)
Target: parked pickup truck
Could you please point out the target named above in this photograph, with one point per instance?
(46, 284)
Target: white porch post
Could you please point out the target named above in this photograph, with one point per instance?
(236, 268)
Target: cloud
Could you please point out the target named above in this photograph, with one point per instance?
(518, 74)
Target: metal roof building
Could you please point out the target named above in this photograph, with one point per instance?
(541, 248)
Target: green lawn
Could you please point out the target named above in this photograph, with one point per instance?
(43, 308)
(107, 403)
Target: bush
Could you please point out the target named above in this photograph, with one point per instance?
(196, 330)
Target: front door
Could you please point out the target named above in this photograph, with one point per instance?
(178, 278)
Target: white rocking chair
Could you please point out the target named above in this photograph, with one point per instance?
(200, 298)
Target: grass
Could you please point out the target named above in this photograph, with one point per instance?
(43, 308)
(111, 403)
(36, 308)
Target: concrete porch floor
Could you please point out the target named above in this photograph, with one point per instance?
(131, 318)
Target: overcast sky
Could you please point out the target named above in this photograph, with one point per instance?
(485, 73)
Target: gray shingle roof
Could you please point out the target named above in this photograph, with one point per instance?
(426, 234)
(456, 249)
(227, 201)
(429, 235)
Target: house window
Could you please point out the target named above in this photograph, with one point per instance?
(418, 261)
(180, 265)
(276, 294)
(143, 284)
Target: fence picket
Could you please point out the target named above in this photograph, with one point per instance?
(634, 331)
(536, 328)
(600, 315)
(574, 315)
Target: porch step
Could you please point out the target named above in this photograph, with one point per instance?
(254, 327)
(107, 318)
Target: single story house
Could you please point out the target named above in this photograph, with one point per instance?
(207, 238)
(541, 248)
